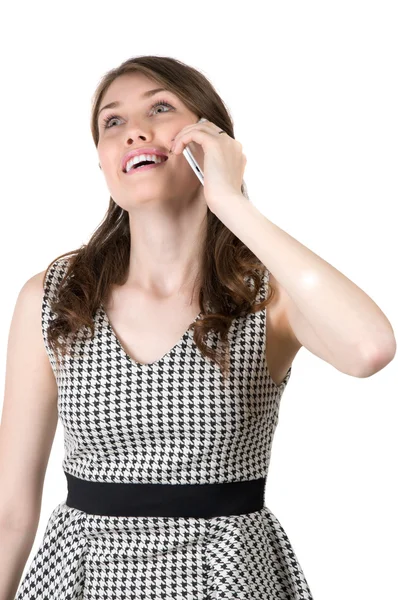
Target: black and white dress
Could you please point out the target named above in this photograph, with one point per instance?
(169, 422)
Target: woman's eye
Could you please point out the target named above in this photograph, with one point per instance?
(161, 103)
(108, 120)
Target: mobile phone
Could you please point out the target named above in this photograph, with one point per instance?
(192, 162)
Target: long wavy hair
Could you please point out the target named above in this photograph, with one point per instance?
(226, 261)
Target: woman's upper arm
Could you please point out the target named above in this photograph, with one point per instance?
(29, 413)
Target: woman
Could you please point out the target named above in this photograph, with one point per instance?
(169, 359)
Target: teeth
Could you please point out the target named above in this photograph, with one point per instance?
(141, 158)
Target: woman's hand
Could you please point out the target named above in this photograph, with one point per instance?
(223, 162)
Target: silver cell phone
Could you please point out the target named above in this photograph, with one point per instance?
(192, 162)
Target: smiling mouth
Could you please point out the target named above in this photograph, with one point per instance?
(144, 166)
(145, 163)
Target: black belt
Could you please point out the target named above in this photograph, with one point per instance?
(165, 500)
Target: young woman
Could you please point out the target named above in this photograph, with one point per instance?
(169, 340)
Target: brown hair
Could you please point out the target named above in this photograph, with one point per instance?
(104, 260)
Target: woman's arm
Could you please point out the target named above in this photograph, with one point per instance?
(27, 429)
(327, 305)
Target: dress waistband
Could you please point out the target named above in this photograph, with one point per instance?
(165, 500)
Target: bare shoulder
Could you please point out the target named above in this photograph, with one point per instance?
(35, 284)
(25, 336)
(30, 299)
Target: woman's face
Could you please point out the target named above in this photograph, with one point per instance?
(138, 123)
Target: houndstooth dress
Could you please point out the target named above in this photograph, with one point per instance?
(168, 422)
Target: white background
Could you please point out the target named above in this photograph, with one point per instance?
(312, 88)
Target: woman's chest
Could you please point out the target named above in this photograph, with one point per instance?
(148, 330)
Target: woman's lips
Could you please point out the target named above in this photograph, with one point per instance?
(145, 168)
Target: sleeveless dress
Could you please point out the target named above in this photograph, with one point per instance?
(168, 422)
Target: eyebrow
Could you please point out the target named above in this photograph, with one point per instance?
(147, 94)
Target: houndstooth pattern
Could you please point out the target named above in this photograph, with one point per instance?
(173, 422)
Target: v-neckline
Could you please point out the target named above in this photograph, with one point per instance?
(135, 363)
